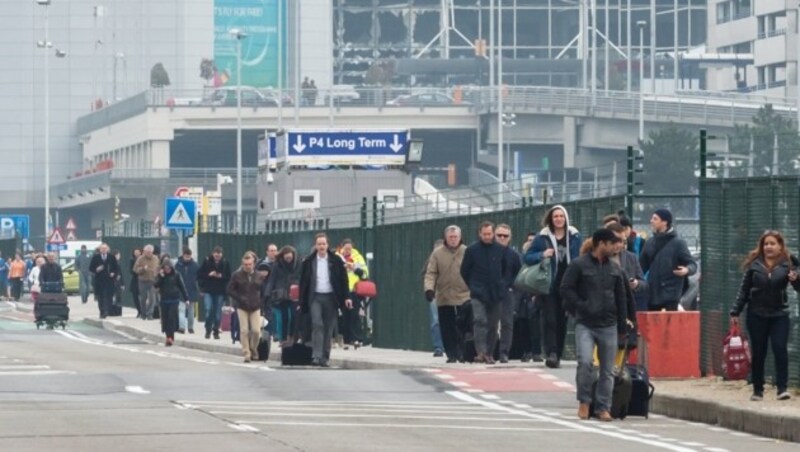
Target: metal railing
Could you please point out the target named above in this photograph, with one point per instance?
(687, 106)
(731, 110)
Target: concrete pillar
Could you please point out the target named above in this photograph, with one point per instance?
(570, 141)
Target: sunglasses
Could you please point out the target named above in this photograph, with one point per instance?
(503, 236)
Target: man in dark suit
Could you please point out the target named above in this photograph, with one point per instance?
(105, 268)
(323, 291)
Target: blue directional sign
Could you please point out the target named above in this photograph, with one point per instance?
(352, 147)
(15, 224)
(180, 213)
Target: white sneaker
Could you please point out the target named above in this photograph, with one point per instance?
(756, 397)
(784, 395)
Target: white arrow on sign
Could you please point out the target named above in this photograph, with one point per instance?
(396, 146)
(299, 146)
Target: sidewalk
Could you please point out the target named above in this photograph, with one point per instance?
(706, 400)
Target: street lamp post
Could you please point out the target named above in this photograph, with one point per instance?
(46, 45)
(500, 170)
(641, 24)
(238, 35)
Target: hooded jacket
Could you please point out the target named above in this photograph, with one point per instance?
(764, 291)
(546, 239)
(661, 256)
(443, 276)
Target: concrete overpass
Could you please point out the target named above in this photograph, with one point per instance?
(157, 141)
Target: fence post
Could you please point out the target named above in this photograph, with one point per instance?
(364, 212)
(374, 211)
(630, 186)
(703, 152)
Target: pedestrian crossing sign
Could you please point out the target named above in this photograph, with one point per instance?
(180, 213)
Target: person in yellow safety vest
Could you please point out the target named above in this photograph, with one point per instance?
(350, 324)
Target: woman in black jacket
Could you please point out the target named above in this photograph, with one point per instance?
(284, 274)
(173, 292)
(768, 271)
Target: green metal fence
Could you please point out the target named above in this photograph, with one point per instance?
(399, 251)
(401, 312)
(126, 245)
(735, 213)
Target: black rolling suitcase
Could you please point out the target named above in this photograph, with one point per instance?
(51, 308)
(641, 391)
(296, 355)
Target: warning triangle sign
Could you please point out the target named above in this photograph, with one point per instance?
(70, 225)
(56, 238)
(180, 217)
(71, 236)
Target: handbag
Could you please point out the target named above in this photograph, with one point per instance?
(735, 355)
(366, 289)
(535, 279)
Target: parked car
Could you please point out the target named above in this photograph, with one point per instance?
(690, 300)
(423, 99)
(342, 94)
(71, 278)
(251, 97)
(272, 93)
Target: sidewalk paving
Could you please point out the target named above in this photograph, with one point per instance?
(706, 400)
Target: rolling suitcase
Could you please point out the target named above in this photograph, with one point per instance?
(48, 297)
(234, 327)
(225, 319)
(641, 391)
(296, 355)
(264, 346)
(623, 386)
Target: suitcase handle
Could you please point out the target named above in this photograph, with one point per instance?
(652, 391)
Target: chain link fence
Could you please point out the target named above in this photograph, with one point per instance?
(735, 213)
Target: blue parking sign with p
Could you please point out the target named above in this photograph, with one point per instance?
(13, 225)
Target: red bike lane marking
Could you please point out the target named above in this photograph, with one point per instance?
(504, 380)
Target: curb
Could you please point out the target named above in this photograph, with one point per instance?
(763, 424)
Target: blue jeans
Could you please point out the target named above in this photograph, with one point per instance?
(436, 333)
(606, 341)
(186, 315)
(84, 283)
(212, 306)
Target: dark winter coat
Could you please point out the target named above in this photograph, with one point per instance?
(171, 287)
(546, 239)
(214, 285)
(283, 275)
(661, 256)
(103, 281)
(308, 279)
(188, 271)
(50, 272)
(486, 271)
(764, 291)
(594, 293)
(245, 290)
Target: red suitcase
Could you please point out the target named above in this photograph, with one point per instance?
(225, 320)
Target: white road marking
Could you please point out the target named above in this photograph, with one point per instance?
(718, 429)
(136, 390)
(548, 377)
(328, 403)
(347, 409)
(536, 371)
(460, 384)
(409, 426)
(474, 391)
(490, 397)
(160, 354)
(13, 373)
(585, 427)
(563, 384)
(243, 428)
(716, 449)
(23, 367)
(478, 417)
(692, 444)
(445, 376)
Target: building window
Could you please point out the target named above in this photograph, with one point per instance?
(391, 198)
(723, 12)
(306, 199)
(740, 9)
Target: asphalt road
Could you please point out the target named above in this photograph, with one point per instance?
(85, 389)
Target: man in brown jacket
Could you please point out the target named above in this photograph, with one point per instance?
(444, 284)
(245, 290)
(146, 268)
